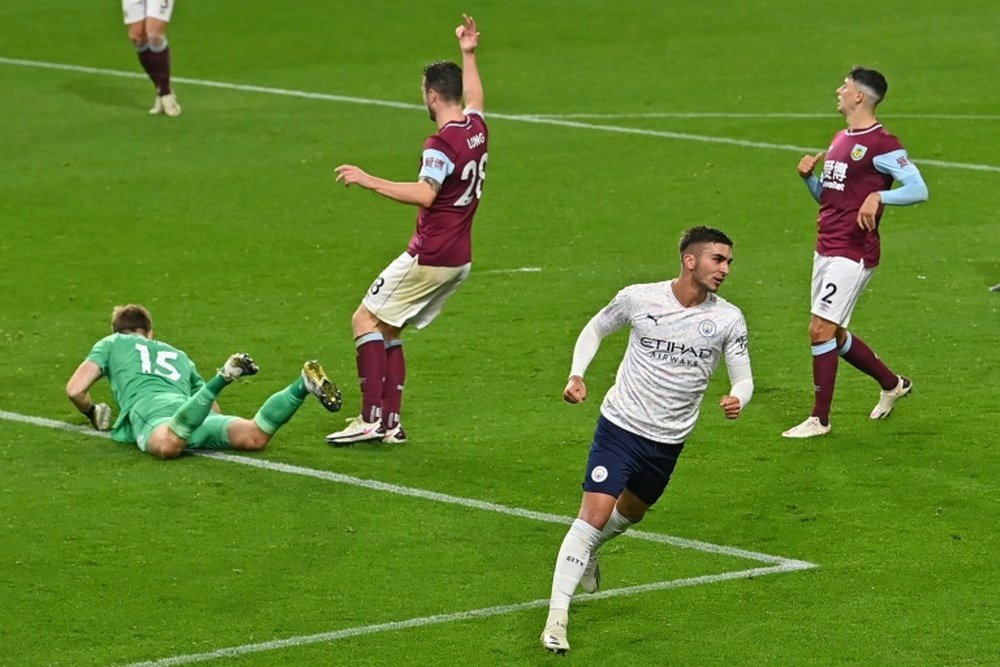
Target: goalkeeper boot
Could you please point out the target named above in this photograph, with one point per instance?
(888, 399)
(237, 366)
(320, 386)
(100, 416)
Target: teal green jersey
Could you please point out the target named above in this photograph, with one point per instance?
(138, 367)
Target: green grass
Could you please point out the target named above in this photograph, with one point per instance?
(227, 224)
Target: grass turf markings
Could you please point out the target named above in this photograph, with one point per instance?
(775, 564)
(523, 118)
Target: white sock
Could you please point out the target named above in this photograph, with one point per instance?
(558, 617)
(572, 560)
(615, 526)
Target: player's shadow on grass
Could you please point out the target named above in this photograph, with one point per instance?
(367, 448)
(123, 95)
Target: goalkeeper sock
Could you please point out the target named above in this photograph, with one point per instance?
(280, 407)
(192, 414)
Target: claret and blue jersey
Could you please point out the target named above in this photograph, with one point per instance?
(455, 157)
(858, 163)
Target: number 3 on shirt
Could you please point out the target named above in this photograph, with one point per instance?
(475, 174)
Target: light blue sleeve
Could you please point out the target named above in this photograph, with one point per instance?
(435, 165)
(912, 188)
(814, 185)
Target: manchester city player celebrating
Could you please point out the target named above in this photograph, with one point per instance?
(680, 329)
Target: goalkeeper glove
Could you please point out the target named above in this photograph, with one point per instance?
(99, 415)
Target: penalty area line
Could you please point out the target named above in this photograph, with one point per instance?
(777, 564)
(434, 496)
(473, 503)
(472, 614)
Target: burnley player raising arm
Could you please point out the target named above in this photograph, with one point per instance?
(415, 286)
(680, 330)
(860, 167)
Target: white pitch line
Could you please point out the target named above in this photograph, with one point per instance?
(750, 116)
(51, 423)
(523, 118)
(779, 563)
(437, 619)
(708, 139)
(473, 503)
(523, 269)
(215, 84)
(423, 494)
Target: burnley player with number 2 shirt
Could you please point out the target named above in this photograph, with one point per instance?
(856, 184)
(415, 286)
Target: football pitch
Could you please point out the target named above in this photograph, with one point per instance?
(613, 128)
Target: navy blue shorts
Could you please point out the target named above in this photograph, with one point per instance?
(620, 460)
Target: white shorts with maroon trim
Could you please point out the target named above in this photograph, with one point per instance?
(837, 282)
(138, 10)
(409, 293)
